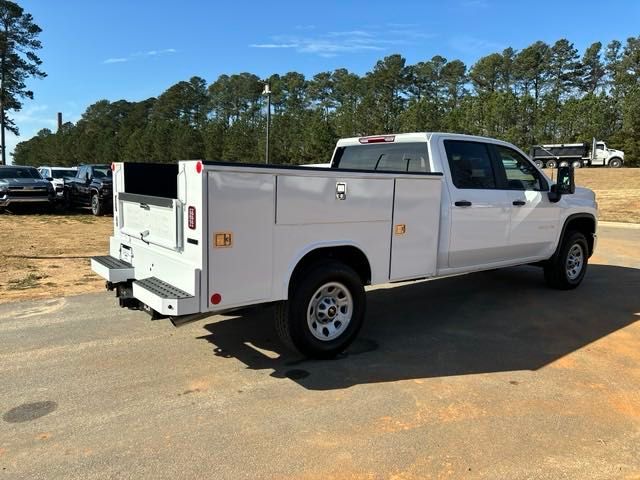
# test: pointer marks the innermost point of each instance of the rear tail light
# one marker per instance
(199, 166)
(191, 217)
(381, 139)
(113, 167)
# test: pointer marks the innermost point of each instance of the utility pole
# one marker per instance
(267, 92)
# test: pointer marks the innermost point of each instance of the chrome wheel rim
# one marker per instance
(94, 204)
(329, 312)
(575, 261)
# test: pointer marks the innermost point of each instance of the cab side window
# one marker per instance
(470, 164)
(520, 173)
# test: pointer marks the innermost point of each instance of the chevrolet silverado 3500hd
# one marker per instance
(197, 238)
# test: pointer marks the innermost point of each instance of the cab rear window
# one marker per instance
(397, 157)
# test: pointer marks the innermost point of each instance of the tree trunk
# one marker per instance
(2, 139)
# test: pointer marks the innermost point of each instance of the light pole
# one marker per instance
(267, 92)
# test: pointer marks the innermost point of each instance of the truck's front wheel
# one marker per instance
(96, 207)
(566, 270)
(325, 311)
(615, 163)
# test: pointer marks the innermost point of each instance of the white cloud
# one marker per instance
(474, 4)
(148, 53)
(273, 45)
(115, 60)
(472, 45)
(333, 43)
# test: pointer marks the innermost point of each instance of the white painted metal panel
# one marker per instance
(312, 200)
(242, 205)
(417, 209)
(154, 224)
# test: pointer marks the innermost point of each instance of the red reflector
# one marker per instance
(383, 139)
(216, 298)
(191, 217)
(113, 167)
(199, 166)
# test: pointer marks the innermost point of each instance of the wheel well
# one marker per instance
(585, 225)
(351, 256)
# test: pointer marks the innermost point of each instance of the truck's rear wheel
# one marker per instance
(325, 311)
(539, 163)
(552, 164)
(576, 164)
(566, 270)
(615, 163)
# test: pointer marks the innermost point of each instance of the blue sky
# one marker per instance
(117, 49)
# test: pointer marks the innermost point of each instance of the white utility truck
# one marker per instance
(577, 155)
(197, 238)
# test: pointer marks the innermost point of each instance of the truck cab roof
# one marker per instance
(411, 138)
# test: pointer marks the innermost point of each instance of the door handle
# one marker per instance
(462, 203)
(519, 203)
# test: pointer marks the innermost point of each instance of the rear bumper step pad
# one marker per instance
(112, 269)
(164, 297)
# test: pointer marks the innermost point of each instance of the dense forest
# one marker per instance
(543, 93)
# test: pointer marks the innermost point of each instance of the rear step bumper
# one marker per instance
(164, 298)
(112, 269)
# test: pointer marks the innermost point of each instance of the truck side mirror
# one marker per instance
(565, 185)
(566, 182)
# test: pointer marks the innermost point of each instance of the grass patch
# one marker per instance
(29, 281)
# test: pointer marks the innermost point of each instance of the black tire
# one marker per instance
(539, 163)
(96, 206)
(66, 201)
(551, 164)
(576, 164)
(615, 162)
(291, 317)
(557, 271)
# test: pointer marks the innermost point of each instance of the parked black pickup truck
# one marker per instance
(91, 187)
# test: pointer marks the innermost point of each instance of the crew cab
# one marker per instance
(91, 187)
(21, 185)
(210, 237)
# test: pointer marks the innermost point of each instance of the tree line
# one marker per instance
(541, 94)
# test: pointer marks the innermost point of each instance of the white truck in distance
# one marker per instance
(577, 155)
(198, 238)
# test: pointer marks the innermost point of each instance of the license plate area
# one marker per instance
(125, 253)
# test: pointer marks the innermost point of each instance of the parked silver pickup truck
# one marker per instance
(24, 185)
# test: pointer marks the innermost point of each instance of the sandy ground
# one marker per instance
(47, 256)
(617, 191)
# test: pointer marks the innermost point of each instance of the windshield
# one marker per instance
(9, 172)
(102, 171)
(62, 173)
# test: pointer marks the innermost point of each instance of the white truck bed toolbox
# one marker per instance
(112, 269)
(164, 297)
